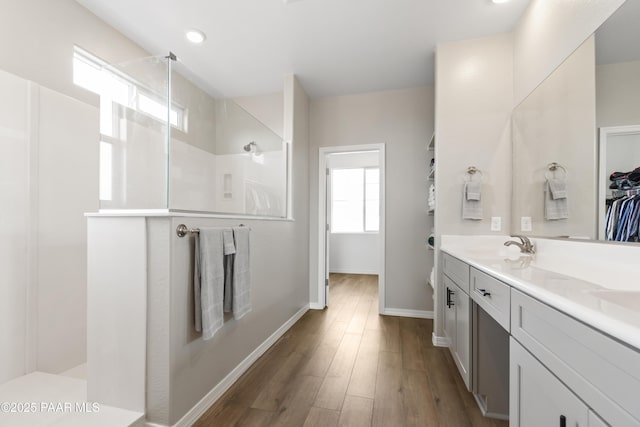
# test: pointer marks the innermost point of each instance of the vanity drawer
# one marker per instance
(492, 296)
(602, 371)
(457, 271)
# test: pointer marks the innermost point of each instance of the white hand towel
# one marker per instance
(208, 282)
(471, 203)
(556, 204)
(241, 273)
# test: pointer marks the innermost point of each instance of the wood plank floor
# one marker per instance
(348, 366)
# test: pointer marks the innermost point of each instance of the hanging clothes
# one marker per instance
(622, 219)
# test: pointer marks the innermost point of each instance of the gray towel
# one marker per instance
(471, 203)
(558, 188)
(208, 282)
(241, 303)
(556, 205)
(229, 255)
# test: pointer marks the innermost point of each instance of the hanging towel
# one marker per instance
(229, 255)
(556, 205)
(208, 281)
(431, 200)
(471, 204)
(241, 303)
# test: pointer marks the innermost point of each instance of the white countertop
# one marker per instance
(612, 305)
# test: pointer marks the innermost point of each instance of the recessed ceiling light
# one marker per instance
(195, 36)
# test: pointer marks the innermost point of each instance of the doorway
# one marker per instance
(351, 214)
(619, 151)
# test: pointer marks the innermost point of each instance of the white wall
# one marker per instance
(15, 223)
(548, 32)
(37, 38)
(474, 98)
(403, 120)
(355, 253)
(55, 183)
(617, 94)
(67, 188)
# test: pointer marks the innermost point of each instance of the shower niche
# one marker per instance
(168, 145)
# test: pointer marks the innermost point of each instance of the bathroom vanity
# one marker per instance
(562, 338)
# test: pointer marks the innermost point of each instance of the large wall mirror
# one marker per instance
(574, 131)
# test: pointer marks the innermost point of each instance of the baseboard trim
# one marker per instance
(419, 314)
(205, 403)
(439, 341)
(353, 271)
(316, 306)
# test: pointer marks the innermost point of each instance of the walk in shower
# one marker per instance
(167, 144)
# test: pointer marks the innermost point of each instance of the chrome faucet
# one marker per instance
(526, 247)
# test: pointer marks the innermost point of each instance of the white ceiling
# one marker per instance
(334, 46)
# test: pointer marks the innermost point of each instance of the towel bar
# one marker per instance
(182, 230)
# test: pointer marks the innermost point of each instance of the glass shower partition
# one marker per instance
(168, 144)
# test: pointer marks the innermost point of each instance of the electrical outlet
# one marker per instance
(525, 223)
(496, 223)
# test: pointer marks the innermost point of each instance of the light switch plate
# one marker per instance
(525, 223)
(496, 223)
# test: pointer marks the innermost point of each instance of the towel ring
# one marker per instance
(471, 171)
(552, 168)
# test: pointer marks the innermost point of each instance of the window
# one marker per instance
(95, 75)
(355, 200)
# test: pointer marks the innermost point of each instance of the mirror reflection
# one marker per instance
(562, 184)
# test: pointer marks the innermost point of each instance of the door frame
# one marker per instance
(604, 134)
(322, 218)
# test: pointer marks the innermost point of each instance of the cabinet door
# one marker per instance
(462, 350)
(450, 312)
(537, 398)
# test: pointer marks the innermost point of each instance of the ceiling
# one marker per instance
(334, 47)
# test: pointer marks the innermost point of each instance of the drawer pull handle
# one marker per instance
(449, 300)
(563, 421)
(484, 292)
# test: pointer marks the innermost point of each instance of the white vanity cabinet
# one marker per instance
(457, 318)
(602, 372)
(552, 369)
(538, 398)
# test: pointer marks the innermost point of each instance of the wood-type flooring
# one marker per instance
(349, 366)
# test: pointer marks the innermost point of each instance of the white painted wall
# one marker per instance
(617, 94)
(15, 223)
(67, 188)
(548, 32)
(403, 121)
(55, 183)
(37, 38)
(355, 253)
(556, 123)
(474, 98)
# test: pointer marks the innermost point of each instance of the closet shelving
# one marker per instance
(431, 178)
